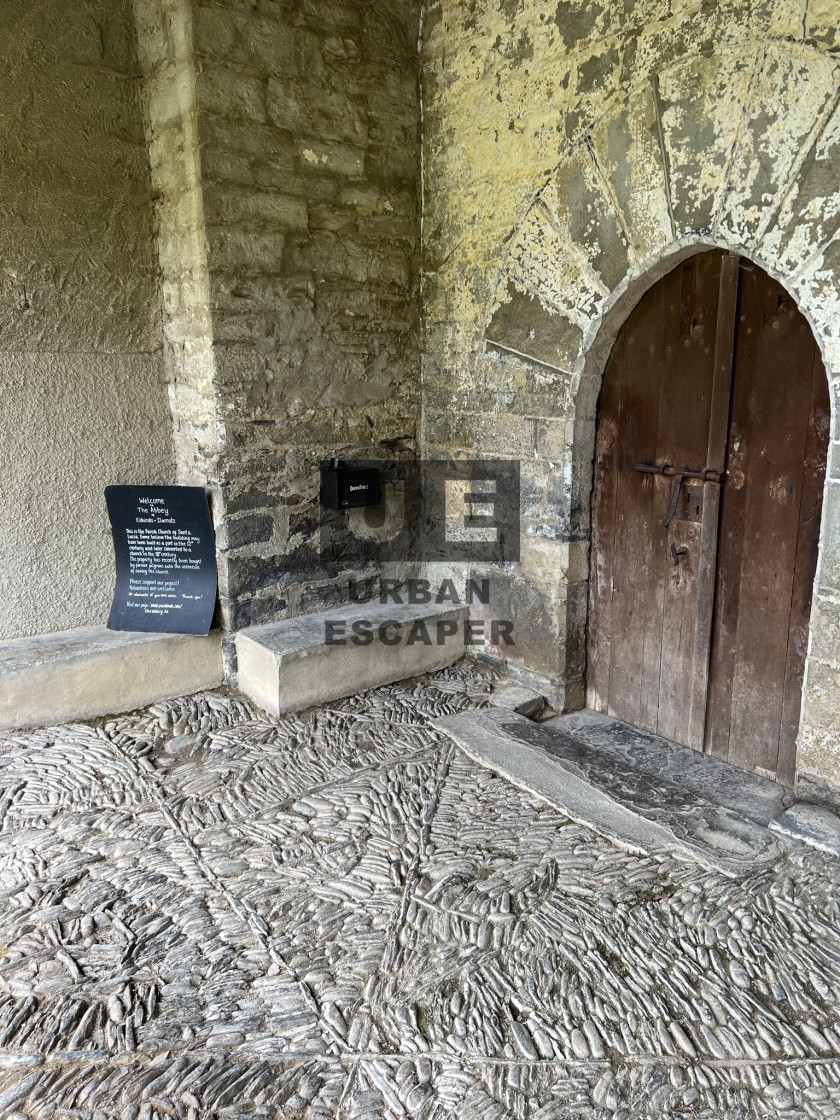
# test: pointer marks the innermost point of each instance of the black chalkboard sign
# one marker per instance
(165, 557)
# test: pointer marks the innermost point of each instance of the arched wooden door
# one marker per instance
(710, 460)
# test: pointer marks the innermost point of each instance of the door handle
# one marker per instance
(678, 474)
(672, 506)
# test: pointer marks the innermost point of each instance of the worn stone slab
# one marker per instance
(746, 794)
(297, 662)
(77, 674)
(812, 824)
(641, 811)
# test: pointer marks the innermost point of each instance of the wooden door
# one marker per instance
(701, 380)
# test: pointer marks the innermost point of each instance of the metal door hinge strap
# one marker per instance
(705, 475)
(678, 474)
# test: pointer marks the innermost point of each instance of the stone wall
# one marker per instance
(308, 130)
(82, 395)
(573, 152)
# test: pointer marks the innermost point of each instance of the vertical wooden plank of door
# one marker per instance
(776, 432)
(633, 577)
(663, 363)
(732, 521)
(807, 543)
(602, 555)
(683, 441)
(709, 527)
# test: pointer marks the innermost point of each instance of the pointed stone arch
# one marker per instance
(730, 149)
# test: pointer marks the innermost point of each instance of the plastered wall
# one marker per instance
(572, 153)
(82, 396)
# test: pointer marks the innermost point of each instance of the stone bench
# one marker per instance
(299, 662)
(78, 674)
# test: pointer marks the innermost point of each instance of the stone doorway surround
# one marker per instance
(699, 611)
(631, 199)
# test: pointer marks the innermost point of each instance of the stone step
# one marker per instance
(93, 671)
(639, 808)
(313, 659)
(814, 825)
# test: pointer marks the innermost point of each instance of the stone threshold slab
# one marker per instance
(79, 674)
(312, 659)
(641, 811)
(708, 777)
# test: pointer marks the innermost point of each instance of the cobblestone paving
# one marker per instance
(208, 912)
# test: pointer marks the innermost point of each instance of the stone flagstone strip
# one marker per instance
(812, 824)
(639, 809)
(711, 779)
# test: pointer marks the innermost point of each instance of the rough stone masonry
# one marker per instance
(572, 153)
(285, 147)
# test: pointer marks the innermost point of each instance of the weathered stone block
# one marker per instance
(230, 93)
(701, 105)
(829, 568)
(345, 19)
(518, 698)
(330, 158)
(769, 148)
(265, 209)
(78, 674)
(538, 612)
(247, 39)
(253, 612)
(523, 324)
(393, 163)
(328, 255)
(249, 250)
(252, 529)
(329, 116)
(378, 198)
(813, 825)
(313, 659)
(627, 149)
(246, 576)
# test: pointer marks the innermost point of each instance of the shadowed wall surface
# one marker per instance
(83, 402)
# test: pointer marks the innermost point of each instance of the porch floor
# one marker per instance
(208, 911)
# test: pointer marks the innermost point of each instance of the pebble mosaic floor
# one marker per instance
(211, 913)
